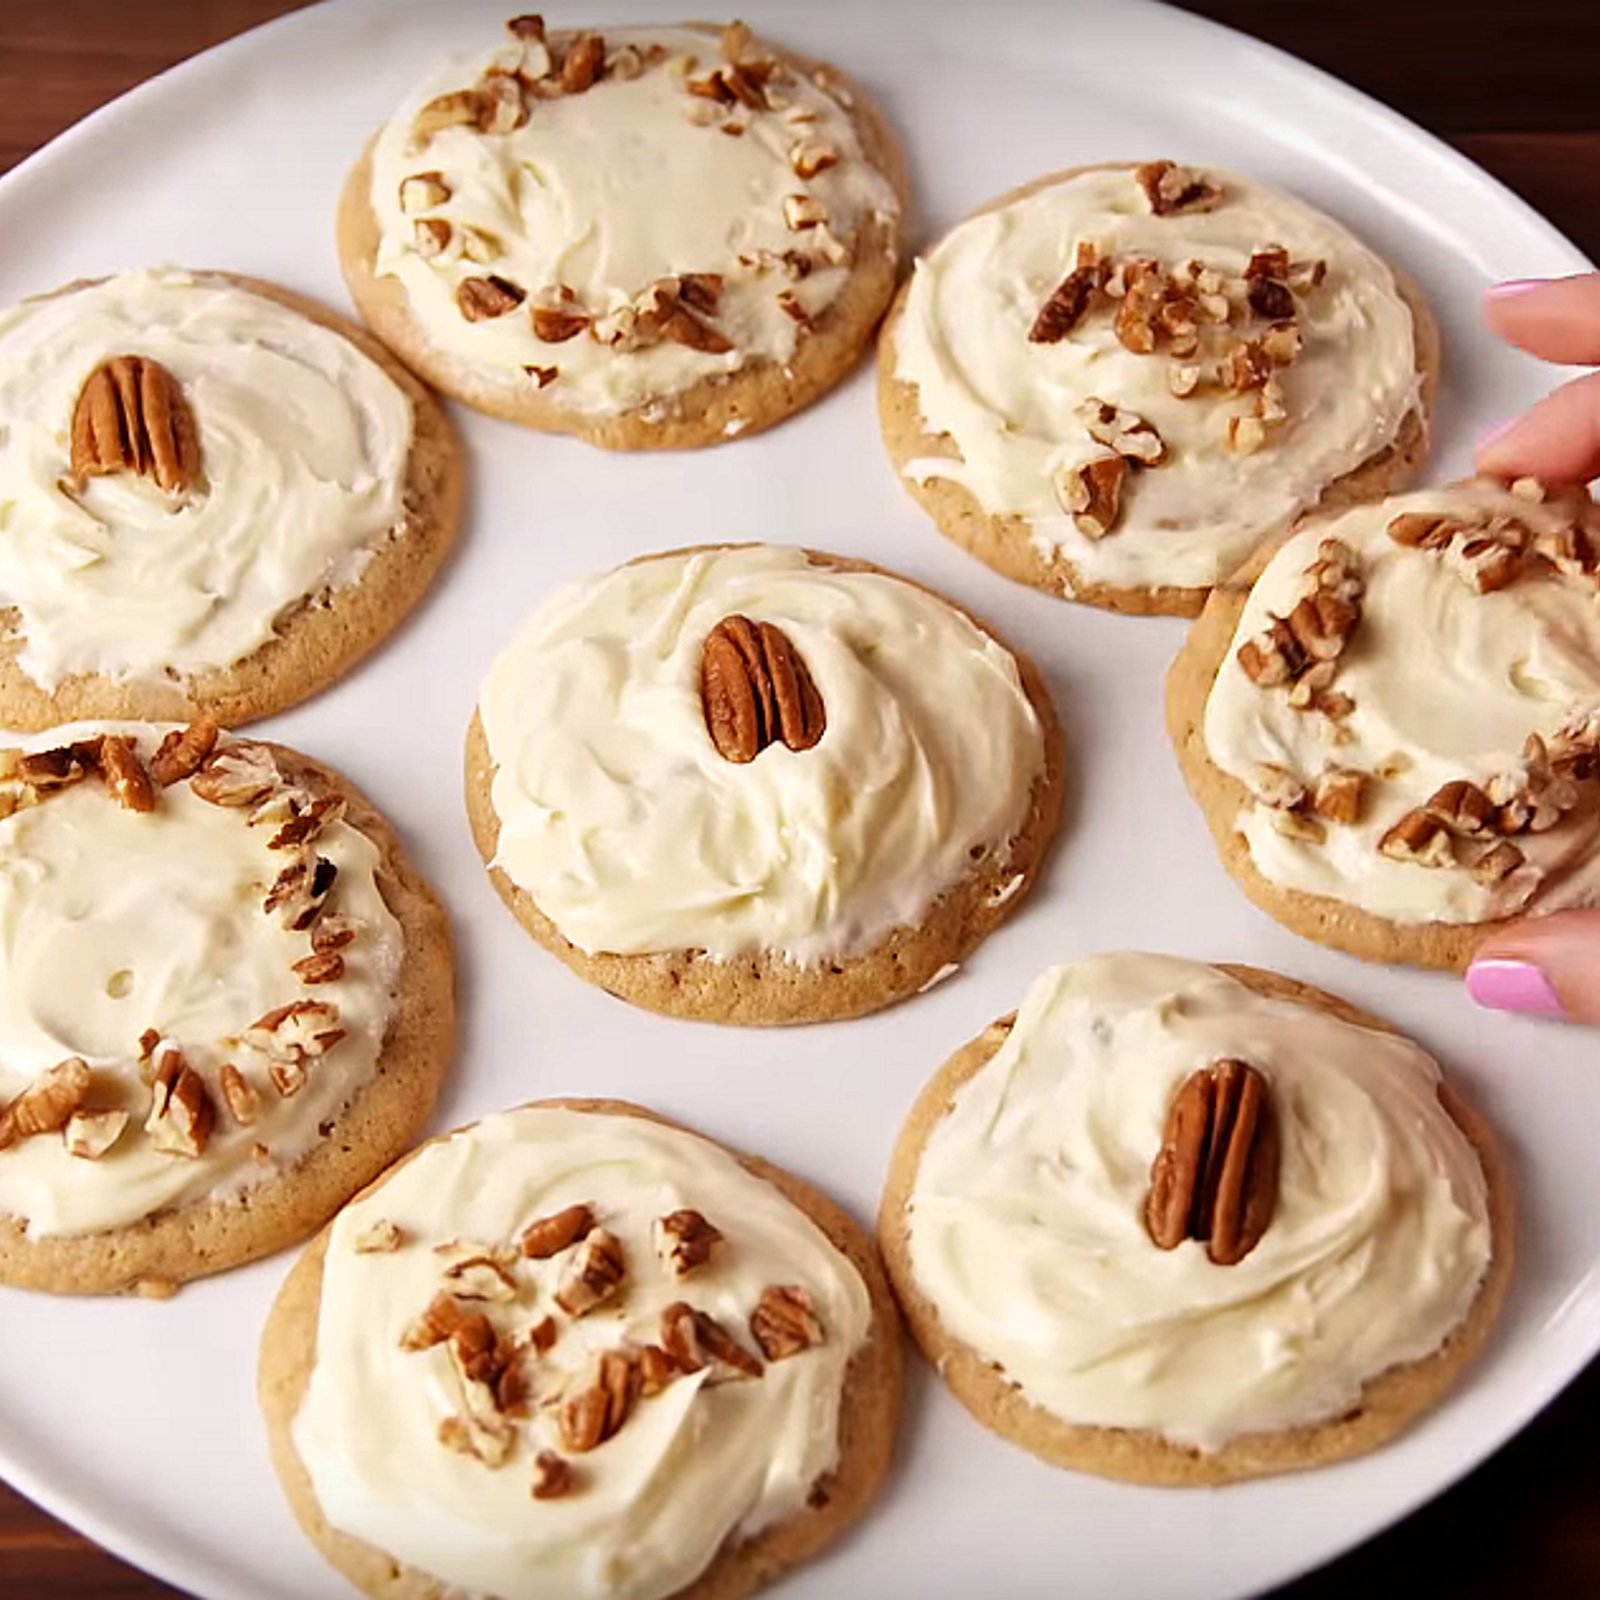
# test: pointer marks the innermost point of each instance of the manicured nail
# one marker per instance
(1515, 286)
(1496, 434)
(1504, 985)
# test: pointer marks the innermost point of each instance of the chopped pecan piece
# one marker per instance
(131, 416)
(1245, 435)
(382, 1238)
(1277, 787)
(583, 63)
(240, 774)
(1215, 1178)
(1419, 838)
(542, 1335)
(1298, 826)
(1170, 188)
(552, 1476)
(90, 1135)
(1322, 624)
(543, 376)
(47, 1104)
(1492, 566)
(1246, 366)
(300, 890)
(686, 1240)
(593, 1275)
(306, 819)
(1092, 494)
(331, 932)
(488, 1439)
(695, 1339)
(785, 1322)
(480, 299)
(238, 1095)
(656, 1370)
(1497, 863)
(431, 236)
(802, 211)
(480, 1278)
(123, 774)
(1424, 530)
(422, 191)
(461, 108)
(1464, 809)
(1274, 656)
(592, 1415)
(182, 753)
(1340, 794)
(46, 770)
(549, 1236)
(500, 104)
(181, 1113)
(1282, 343)
(556, 324)
(321, 966)
(444, 1317)
(1065, 307)
(811, 156)
(300, 1029)
(791, 305)
(755, 691)
(1126, 432)
(1270, 298)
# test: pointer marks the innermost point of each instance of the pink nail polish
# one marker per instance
(1515, 286)
(1503, 985)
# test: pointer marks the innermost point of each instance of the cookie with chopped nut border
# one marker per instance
(1010, 541)
(1388, 1403)
(150, 416)
(668, 338)
(257, 1020)
(862, 698)
(551, 1482)
(1389, 754)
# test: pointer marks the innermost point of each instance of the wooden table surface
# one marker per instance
(1515, 87)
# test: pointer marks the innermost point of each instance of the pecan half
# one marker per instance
(549, 1236)
(1092, 494)
(131, 416)
(686, 1240)
(784, 1322)
(593, 1275)
(755, 691)
(1170, 188)
(480, 299)
(47, 1104)
(592, 1415)
(695, 1339)
(1215, 1178)
(182, 753)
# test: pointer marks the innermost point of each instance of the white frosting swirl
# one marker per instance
(607, 191)
(114, 921)
(1026, 1215)
(631, 832)
(303, 441)
(691, 1468)
(1449, 681)
(1011, 407)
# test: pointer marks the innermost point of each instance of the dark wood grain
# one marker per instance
(1517, 87)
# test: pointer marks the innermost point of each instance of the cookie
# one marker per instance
(576, 1348)
(221, 497)
(252, 1022)
(729, 269)
(1392, 722)
(755, 784)
(1116, 382)
(1089, 1292)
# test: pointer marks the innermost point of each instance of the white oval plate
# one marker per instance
(137, 1421)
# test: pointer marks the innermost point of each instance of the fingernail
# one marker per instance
(1496, 434)
(1503, 985)
(1515, 286)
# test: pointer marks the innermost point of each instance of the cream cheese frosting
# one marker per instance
(692, 1467)
(304, 443)
(114, 921)
(1011, 406)
(1447, 685)
(1026, 1219)
(631, 832)
(603, 193)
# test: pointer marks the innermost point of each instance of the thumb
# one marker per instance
(1544, 966)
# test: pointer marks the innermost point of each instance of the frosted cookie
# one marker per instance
(1115, 382)
(216, 498)
(576, 1349)
(225, 1004)
(1181, 1224)
(652, 237)
(754, 784)
(1395, 733)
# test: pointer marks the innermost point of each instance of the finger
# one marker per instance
(1558, 441)
(1544, 966)
(1557, 319)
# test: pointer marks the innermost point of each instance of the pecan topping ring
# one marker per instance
(1215, 1178)
(756, 691)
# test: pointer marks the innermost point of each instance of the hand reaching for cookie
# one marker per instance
(1547, 966)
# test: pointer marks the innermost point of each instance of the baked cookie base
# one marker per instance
(1006, 542)
(766, 989)
(868, 1413)
(713, 410)
(1443, 946)
(316, 640)
(154, 1256)
(1388, 1403)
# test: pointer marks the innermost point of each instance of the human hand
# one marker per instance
(1547, 966)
